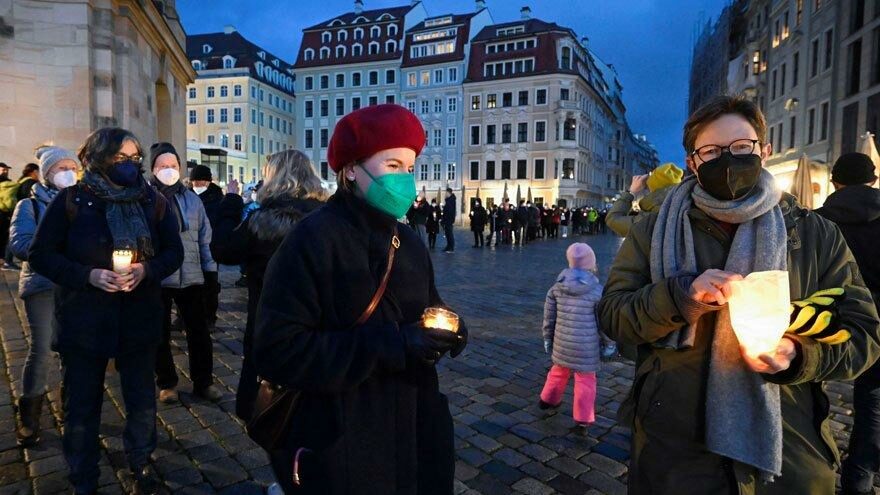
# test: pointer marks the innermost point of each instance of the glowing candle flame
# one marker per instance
(759, 311)
(440, 318)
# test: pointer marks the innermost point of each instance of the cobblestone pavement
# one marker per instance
(505, 444)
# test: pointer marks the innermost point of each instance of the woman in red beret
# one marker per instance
(370, 418)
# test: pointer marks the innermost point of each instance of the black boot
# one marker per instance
(29, 410)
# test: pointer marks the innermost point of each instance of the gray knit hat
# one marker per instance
(48, 156)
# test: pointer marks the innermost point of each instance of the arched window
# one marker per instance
(359, 33)
(390, 46)
(360, 19)
(374, 48)
(357, 50)
(326, 37)
(325, 53)
(392, 30)
(309, 54)
(337, 22)
(206, 49)
(340, 51)
(375, 32)
(385, 17)
(197, 64)
(228, 62)
(342, 35)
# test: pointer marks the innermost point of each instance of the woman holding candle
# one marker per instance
(290, 191)
(371, 418)
(101, 314)
(57, 170)
(185, 287)
(707, 415)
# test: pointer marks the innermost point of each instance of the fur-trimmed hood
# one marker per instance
(273, 220)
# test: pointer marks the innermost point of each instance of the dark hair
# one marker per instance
(29, 169)
(717, 107)
(101, 146)
(449, 189)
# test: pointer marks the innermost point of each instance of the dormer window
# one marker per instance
(342, 35)
(374, 48)
(360, 19)
(276, 63)
(357, 50)
(340, 51)
(197, 64)
(262, 55)
(309, 54)
(206, 49)
(392, 30)
(336, 22)
(228, 62)
(359, 33)
(325, 53)
(390, 46)
(385, 17)
(375, 32)
(326, 37)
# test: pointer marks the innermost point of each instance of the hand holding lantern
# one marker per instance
(759, 313)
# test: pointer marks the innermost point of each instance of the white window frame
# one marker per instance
(370, 50)
(325, 53)
(326, 37)
(452, 75)
(375, 32)
(479, 135)
(392, 30)
(452, 104)
(412, 79)
(341, 49)
(193, 117)
(471, 167)
(342, 35)
(535, 132)
(357, 50)
(546, 96)
(451, 136)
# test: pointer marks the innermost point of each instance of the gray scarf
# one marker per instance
(125, 216)
(743, 412)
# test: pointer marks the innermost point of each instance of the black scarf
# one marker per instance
(125, 216)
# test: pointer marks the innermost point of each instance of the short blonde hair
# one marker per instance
(290, 174)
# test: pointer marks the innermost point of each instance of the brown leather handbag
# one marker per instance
(275, 405)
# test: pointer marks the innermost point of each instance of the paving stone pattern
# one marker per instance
(505, 444)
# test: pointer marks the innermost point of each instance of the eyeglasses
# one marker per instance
(121, 157)
(740, 147)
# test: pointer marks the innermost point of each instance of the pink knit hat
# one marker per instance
(581, 256)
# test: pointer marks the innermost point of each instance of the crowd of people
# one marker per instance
(339, 358)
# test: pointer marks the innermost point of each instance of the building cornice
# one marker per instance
(150, 23)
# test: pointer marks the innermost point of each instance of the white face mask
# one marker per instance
(168, 176)
(65, 178)
(200, 189)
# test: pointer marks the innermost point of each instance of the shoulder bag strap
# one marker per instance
(377, 297)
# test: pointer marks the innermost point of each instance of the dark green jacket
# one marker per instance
(620, 221)
(666, 407)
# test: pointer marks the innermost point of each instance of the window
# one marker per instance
(412, 80)
(271, 125)
(438, 105)
(811, 125)
(210, 91)
(325, 82)
(411, 106)
(325, 108)
(814, 58)
(192, 93)
(491, 101)
(197, 65)
(210, 118)
(505, 169)
(309, 84)
(438, 76)
(224, 140)
(507, 99)
(568, 168)
(522, 132)
(356, 79)
(875, 64)
(374, 77)
(792, 132)
(475, 135)
(340, 107)
(262, 145)
(475, 170)
(475, 102)
(340, 80)
(452, 104)
(324, 138)
(358, 33)
(324, 53)
(450, 171)
(540, 131)
(540, 97)
(490, 170)
(523, 98)
(224, 115)
(857, 15)
(355, 103)
(569, 130)
(522, 169)
(799, 4)
(326, 37)
(389, 99)
(508, 68)
(375, 32)
(211, 139)
(253, 144)
(309, 54)
(392, 30)
(261, 95)
(539, 168)
(823, 122)
(795, 68)
(829, 45)
(357, 50)
(854, 67)
(425, 106)
(310, 109)
(566, 58)
(783, 73)
(490, 134)
(224, 91)
(564, 94)
(390, 76)
(453, 74)
(438, 137)
(423, 171)
(341, 35)
(450, 136)
(237, 142)
(436, 171)
(236, 114)
(192, 117)
(373, 48)
(505, 133)
(773, 80)
(253, 116)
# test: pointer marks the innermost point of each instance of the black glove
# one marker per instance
(462, 340)
(427, 345)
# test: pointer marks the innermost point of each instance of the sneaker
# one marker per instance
(168, 396)
(209, 393)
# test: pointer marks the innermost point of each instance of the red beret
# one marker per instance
(365, 132)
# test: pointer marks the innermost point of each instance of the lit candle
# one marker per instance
(122, 260)
(440, 318)
(759, 311)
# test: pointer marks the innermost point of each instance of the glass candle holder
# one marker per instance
(440, 318)
(122, 260)
(759, 311)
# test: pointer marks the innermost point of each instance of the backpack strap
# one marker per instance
(36, 206)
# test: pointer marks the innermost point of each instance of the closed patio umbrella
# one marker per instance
(802, 185)
(870, 148)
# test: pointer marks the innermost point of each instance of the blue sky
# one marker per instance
(648, 41)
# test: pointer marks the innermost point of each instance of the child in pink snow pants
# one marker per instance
(571, 333)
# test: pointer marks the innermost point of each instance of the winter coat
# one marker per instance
(534, 217)
(421, 214)
(618, 217)
(432, 225)
(195, 234)
(505, 219)
(666, 404)
(570, 320)
(90, 320)
(449, 210)
(27, 215)
(374, 419)
(26, 188)
(479, 217)
(211, 198)
(522, 217)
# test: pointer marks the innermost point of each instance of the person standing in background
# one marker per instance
(449, 212)
(211, 195)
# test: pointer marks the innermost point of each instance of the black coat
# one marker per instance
(434, 217)
(25, 189)
(211, 198)
(479, 218)
(856, 211)
(376, 421)
(91, 320)
(449, 210)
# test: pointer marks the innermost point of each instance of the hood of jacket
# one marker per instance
(274, 219)
(576, 282)
(852, 204)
